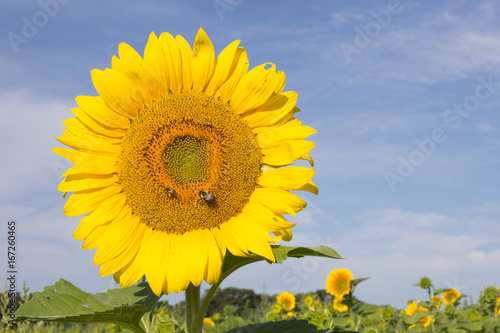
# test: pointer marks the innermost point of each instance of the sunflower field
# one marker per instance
(185, 168)
(333, 309)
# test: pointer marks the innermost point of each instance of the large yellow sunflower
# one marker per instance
(182, 157)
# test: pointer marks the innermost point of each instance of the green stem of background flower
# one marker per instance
(192, 309)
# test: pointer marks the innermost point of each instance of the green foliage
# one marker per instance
(65, 303)
(135, 309)
(291, 326)
(242, 299)
(319, 316)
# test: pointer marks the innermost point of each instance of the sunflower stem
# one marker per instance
(192, 309)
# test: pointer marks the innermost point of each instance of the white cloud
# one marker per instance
(481, 259)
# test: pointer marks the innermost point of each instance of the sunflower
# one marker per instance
(308, 300)
(207, 321)
(451, 296)
(286, 300)
(414, 308)
(277, 308)
(436, 301)
(181, 158)
(338, 282)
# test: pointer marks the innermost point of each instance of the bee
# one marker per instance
(207, 196)
(170, 190)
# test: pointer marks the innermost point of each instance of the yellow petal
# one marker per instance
(255, 88)
(292, 130)
(262, 215)
(131, 273)
(76, 129)
(202, 65)
(257, 238)
(309, 187)
(286, 117)
(101, 234)
(95, 164)
(272, 111)
(237, 71)
(175, 279)
(216, 233)
(285, 234)
(278, 201)
(223, 65)
(75, 156)
(173, 61)
(288, 178)
(234, 238)
(106, 212)
(96, 127)
(156, 65)
(244, 239)
(308, 158)
(132, 65)
(194, 251)
(97, 146)
(157, 247)
(81, 182)
(117, 238)
(126, 257)
(119, 92)
(95, 106)
(186, 57)
(287, 152)
(214, 262)
(86, 201)
(130, 58)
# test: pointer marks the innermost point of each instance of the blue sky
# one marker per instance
(405, 96)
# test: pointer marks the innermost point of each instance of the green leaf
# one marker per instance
(63, 302)
(367, 309)
(491, 324)
(357, 281)
(281, 253)
(472, 326)
(285, 326)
